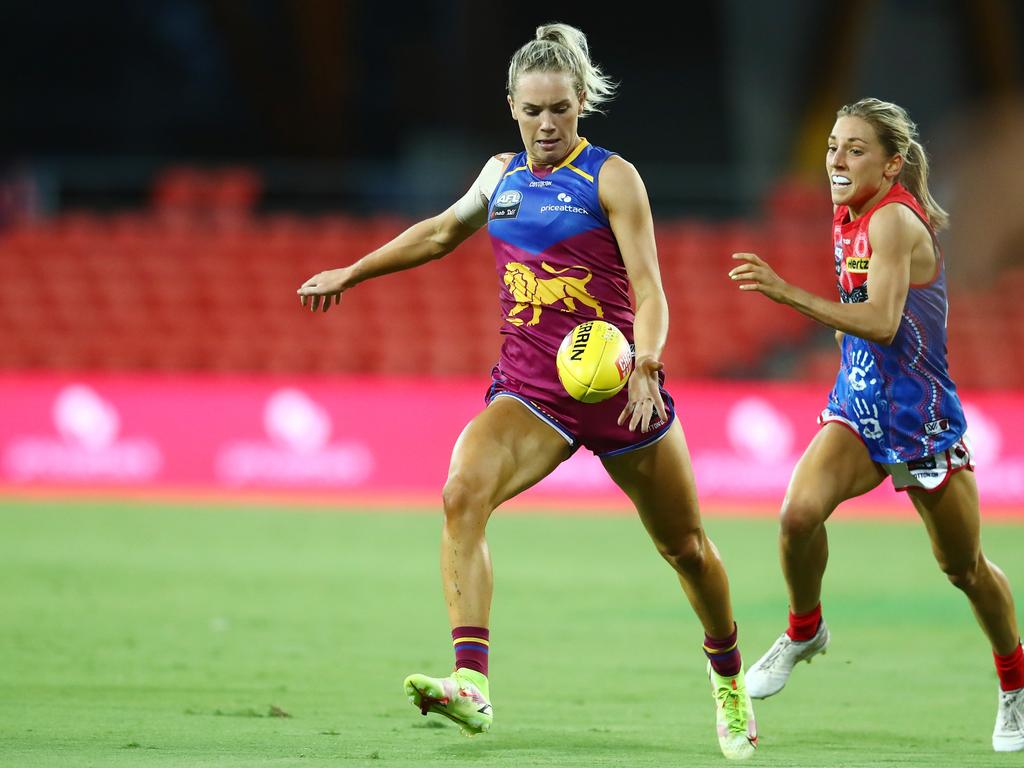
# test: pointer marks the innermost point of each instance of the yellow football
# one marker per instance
(594, 361)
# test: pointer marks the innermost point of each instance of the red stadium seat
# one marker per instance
(177, 289)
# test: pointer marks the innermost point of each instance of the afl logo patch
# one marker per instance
(508, 199)
(507, 205)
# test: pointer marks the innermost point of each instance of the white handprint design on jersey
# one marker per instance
(867, 417)
(861, 364)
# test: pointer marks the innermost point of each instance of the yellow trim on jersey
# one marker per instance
(477, 640)
(567, 162)
(584, 174)
(573, 155)
(515, 170)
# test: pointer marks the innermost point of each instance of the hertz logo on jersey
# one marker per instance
(857, 264)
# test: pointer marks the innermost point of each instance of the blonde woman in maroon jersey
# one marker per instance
(577, 217)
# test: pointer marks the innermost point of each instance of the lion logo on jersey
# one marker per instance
(530, 291)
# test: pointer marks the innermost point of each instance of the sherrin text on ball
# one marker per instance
(594, 361)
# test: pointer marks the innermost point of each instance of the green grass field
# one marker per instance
(144, 635)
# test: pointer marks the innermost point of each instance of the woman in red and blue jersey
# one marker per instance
(894, 410)
(572, 231)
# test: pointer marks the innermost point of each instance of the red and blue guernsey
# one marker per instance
(898, 397)
(559, 265)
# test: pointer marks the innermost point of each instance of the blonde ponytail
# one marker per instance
(914, 177)
(562, 48)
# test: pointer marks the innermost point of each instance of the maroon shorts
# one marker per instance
(592, 425)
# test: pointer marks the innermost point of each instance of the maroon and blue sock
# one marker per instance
(724, 653)
(1010, 669)
(472, 645)
(804, 626)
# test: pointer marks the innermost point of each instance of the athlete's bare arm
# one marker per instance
(624, 199)
(424, 241)
(896, 235)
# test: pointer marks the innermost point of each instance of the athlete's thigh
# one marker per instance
(835, 466)
(659, 480)
(952, 518)
(504, 450)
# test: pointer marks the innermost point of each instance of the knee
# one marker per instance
(800, 519)
(688, 554)
(962, 574)
(465, 502)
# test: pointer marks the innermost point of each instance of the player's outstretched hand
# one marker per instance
(644, 395)
(324, 288)
(755, 274)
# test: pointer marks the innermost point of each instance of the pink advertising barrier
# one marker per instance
(363, 440)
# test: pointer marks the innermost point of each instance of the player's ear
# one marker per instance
(893, 167)
(512, 106)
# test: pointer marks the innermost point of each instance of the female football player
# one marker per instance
(570, 223)
(894, 411)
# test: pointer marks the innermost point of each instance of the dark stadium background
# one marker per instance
(718, 100)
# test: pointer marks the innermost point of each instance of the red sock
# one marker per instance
(1010, 669)
(803, 626)
(472, 646)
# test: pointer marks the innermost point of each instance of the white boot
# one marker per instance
(770, 673)
(1008, 735)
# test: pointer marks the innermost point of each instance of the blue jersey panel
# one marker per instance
(529, 211)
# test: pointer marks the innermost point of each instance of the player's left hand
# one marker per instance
(644, 395)
(757, 275)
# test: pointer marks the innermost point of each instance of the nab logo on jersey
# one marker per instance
(507, 205)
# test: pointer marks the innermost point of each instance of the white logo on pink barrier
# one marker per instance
(758, 430)
(999, 476)
(298, 451)
(89, 448)
(296, 422)
(761, 438)
(983, 435)
(83, 417)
